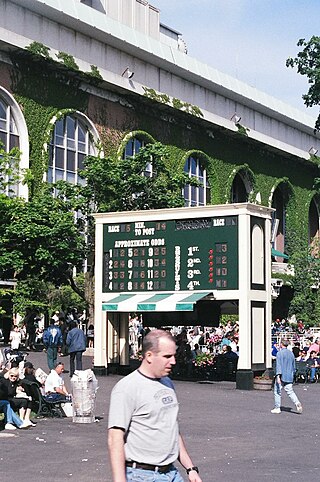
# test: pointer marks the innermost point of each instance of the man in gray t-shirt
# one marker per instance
(144, 437)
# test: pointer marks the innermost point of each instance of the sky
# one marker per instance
(248, 39)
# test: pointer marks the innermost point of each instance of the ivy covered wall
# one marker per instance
(46, 92)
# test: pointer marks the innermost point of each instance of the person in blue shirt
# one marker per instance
(76, 343)
(52, 340)
(285, 370)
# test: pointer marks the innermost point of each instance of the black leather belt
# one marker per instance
(155, 468)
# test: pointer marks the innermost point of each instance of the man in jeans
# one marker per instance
(144, 439)
(285, 370)
(52, 340)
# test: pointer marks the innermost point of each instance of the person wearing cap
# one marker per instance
(285, 370)
(54, 386)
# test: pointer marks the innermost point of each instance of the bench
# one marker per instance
(41, 406)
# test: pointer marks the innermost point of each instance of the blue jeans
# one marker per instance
(139, 475)
(289, 391)
(75, 355)
(313, 372)
(9, 414)
(52, 354)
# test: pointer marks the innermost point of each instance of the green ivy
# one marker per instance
(67, 60)
(46, 92)
(175, 103)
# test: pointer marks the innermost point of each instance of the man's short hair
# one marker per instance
(151, 340)
(57, 364)
(284, 342)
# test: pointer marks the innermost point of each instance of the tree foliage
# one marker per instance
(307, 63)
(40, 239)
(119, 185)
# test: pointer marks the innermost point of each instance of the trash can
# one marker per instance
(84, 386)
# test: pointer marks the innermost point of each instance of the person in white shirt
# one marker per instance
(15, 338)
(54, 387)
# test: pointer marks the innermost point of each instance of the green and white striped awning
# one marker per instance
(133, 302)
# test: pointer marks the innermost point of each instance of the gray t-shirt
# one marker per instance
(147, 409)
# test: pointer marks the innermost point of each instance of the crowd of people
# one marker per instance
(17, 396)
(197, 347)
(306, 350)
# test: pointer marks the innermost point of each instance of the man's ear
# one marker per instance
(148, 356)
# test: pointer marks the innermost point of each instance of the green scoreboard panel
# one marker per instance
(171, 255)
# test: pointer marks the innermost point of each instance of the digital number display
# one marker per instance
(187, 254)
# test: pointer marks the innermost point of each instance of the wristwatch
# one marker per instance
(192, 468)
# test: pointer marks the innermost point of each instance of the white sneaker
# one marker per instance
(25, 425)
(9, 426)
(276, 410)
(299, 407)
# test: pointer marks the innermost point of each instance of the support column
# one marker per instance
(100, 335)
(244, 377)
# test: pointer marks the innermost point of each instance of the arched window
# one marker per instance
(239, 193)
(314, 229)
(196, 195)
(70, 144)
(14, 133)
(132, 148)
(278, 223)
(9, 138)
(8, 130)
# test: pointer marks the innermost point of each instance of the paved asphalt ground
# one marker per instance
(231, 435)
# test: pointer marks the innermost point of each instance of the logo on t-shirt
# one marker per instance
(167, 400)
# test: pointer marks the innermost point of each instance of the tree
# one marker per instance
(39, 244)
(307, 62)
(40, 239)
(119, 185)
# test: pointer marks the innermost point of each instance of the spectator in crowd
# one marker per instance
(52, 340)
(76, 343)
(64, 330)
(314, 346)
(275, 349)
(228, 353)
(296, 349)
(313, 365)
(14, 393)
(90, 336)
(31, 327)
(15, 338)
(55, 389)
(11, 419)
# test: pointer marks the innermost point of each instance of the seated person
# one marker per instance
(228, 353)
(313, 364)
(28, 383)
(12, 392)
(303, 356)
(54, 387)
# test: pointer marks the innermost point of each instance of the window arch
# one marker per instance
(132, 148)
(14, 133)
(196, 195)
(72, 140)
(279, 203)
(314, 228)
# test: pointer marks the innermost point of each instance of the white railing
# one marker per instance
(282, 268)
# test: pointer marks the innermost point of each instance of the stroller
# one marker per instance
(13, 358)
